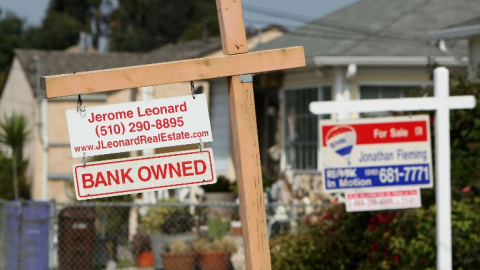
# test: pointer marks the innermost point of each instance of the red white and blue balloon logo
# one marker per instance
(341, 139)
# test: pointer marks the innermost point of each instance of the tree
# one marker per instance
(11, 33)
(11, 28)
(205, 16)
(465, 140)
(14, 133)
(129, 25)
(146, 25)
(59, 31)
(6, 179)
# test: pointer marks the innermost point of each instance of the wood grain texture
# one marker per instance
(249, 174)
(245, 140)
(171, 72)
(232, 27)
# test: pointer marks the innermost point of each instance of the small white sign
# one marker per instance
(139, 125)
(140, 174)
(383, 200)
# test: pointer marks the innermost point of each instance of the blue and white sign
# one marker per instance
(376, 153)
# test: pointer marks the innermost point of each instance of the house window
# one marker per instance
(391, 91)
(300, 131)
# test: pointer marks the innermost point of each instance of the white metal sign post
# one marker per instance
(139, 125)
(441, 103)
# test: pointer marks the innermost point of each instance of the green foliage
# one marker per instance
(146, 25)
(222, 185)
(217, 228)
(404, 239)
(73, 8)
(465, 140)
(167, 219)
(178, 247)
(205, 16)
(156, 216)
(11, 32)
(225, 244)
(58, 32)
(132, 26)
(14, 133)
(6, 179)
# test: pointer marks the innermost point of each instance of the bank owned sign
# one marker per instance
(140, 174)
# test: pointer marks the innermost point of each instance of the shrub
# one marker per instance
(402, 239)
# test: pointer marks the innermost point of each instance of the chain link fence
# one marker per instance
(166, 235)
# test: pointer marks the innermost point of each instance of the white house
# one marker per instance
(368, 50)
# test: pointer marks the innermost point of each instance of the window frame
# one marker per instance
(412, 84)
(320, 93)
(391, 83)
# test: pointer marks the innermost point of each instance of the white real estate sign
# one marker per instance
(441, 103)
(140, 174)
(139, 125)
(402, 198)
(376, 153)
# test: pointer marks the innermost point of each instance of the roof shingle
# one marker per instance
(380, 28)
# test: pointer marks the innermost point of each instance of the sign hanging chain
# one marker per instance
(192, 86)
(79, 105)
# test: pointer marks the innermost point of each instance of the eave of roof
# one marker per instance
(388, 60)
(456, 32)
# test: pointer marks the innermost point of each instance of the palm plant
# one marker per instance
(14, 133)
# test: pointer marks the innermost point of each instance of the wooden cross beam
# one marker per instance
(171, 72)
(235, 62)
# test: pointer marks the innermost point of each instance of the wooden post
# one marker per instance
(245, 141)
(249, 175)
(233, 64)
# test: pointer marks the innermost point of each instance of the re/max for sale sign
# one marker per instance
(140, 174)
(376, 153)
(139, 125)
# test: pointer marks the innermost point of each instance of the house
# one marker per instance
(468, 30)
(48, 151)
(368, 50)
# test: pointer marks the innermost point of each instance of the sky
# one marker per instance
(256, 13)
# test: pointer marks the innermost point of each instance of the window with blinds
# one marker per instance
(300, 127)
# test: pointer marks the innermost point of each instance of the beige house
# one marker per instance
(465, 30)
(368, 50)
(48, 151)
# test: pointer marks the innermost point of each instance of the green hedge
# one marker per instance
(401, 239)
